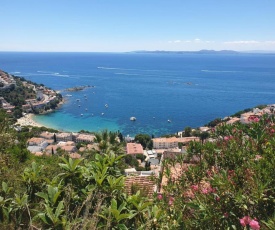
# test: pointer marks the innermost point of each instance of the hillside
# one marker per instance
(17, 95)
(225, 183)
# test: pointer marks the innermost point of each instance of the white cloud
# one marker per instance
(242, 42)
(196, 40)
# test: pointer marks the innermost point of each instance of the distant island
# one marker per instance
(79, 88)
(189, 52)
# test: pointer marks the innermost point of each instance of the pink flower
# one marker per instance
(242, 222)
(195, 187)
(272, 131)
(171, 201)
(256, 119)
(205, 191)
(226, 138)
(254, 225)
(159, 196)
(245, 220)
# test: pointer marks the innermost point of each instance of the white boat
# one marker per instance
(102, 114)
(81, 114)
(86, 109)
(133, 118)
(169, 121)
(106, 105)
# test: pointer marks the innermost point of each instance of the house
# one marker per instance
(64, 137)
(134, 149)
(69, 148)
(87, 138)
(186, 140)
(47, 135)
(51, 149)
(165, 143)
(171, 142)
(35, 141)
(144, 184)
(34, 149)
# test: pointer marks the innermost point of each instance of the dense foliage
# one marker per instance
(18, 94)
(230, 187)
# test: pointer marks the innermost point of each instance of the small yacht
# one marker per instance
(133, 118)
(86, 109)
(102, 114)
(81, 114)
(106, 105)
(169, 121)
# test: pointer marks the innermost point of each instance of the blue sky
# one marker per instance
(127, 25)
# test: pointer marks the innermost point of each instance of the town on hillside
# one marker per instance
(143, 161)
(18, 96)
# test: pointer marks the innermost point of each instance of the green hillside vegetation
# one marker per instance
(19, 93)
(230, 187)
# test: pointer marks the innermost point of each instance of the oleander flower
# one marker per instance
(195, 187)
(254, 225)
(245, 220)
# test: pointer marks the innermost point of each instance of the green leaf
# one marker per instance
(42, 216)
(59, 209)
(4, 186)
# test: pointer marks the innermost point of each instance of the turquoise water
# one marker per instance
(188, 89)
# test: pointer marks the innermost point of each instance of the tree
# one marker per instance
(145, 140)
(187, 131)
(203, 136)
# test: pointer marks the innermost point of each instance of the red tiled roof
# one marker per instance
(134, 148)
(144, 184)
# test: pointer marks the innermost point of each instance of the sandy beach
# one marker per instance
(27, 120)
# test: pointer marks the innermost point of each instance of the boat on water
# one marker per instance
(106, 105)
(81, 114)
(169, 121)
(133, 118)
(68, 95)
(102, 114)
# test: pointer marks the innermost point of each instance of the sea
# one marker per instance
(165, 92)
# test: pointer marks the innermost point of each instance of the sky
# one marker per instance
(130, 25)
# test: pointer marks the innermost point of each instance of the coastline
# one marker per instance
(27, 120)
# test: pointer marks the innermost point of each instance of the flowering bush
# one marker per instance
(232, 182)
(225, 184)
